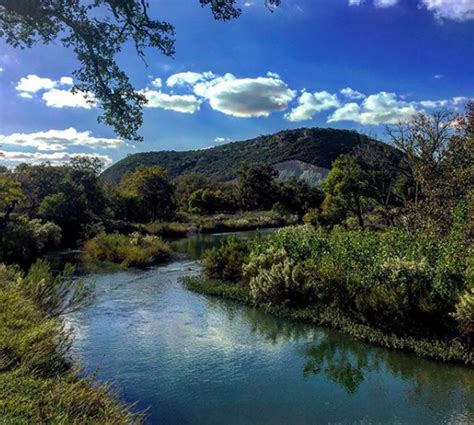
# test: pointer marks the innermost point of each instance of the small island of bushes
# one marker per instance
(135, 250)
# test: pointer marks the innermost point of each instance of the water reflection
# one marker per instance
(347, 362)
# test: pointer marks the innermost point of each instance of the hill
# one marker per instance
(303, 153)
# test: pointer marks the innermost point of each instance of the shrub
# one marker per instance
(226, 261)
(23, 240)
(135, 250)
(403, 282)
(464, 313)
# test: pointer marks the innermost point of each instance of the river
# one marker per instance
(186, 358)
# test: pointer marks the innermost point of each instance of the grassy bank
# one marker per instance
(38, 382)
(215, 223)
(442, 350)
(396, 288)
(133, 250)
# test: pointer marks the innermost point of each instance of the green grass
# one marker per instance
(447, 350)
(38, 383)
(133, 250)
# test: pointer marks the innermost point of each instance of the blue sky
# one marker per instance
(351, 64)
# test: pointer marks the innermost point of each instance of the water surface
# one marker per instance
(193, 359)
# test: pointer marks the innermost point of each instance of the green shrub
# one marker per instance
(464, 313)
(226, 261)
(399, 281)
(23, 240)
(135, 250)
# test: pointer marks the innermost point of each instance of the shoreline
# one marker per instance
(452, 351)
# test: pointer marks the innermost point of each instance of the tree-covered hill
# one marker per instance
(316, 146)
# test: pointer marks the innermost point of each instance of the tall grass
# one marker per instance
(38, 382)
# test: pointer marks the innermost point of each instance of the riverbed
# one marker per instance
(185, 358)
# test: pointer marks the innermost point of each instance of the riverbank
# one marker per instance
(39, 383)
(215, 223)
(445, 351)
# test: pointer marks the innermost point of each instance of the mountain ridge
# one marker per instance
(314, 146)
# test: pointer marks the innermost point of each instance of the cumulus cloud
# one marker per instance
(188, 78)
(352, 94)
(52, 95)
(458, 10)
(59, 98)
(246, 97)
(380, 108)
(59, 140)
(32, 83)
(187, 104)
(310, 104)
(56, 158)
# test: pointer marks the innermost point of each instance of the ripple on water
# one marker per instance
(191, 359)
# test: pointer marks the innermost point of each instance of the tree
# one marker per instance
(153, 193)
(346, 189)
(38, 181)
(96, 31)
(79, 199)
(187, 184)
(254, 186)
(439, 157)
(209, 201)
(10, 196)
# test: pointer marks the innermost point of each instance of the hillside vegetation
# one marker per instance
(316, 146)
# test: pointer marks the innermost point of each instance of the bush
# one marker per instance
(399, 281)
(464, 313)
(134, 250)
(23, 240)
(226, 262)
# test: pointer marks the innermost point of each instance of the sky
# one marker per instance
(349, 64)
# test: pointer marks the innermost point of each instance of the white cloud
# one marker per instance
(352, 94)
(56, 158)
(458, 10)
(222, 140)
(66, 81)
(188, 78)
(434, 103)
(385, 3)
(157, 82)
(59, 140)
(380, 108)
(246, 97)
(438, 76)
(273, 74)
(59, 98)
(187, 104)
(2, 69)
(310, 104)
(26, 95)
(32, 83)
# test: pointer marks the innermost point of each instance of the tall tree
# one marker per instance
(346, 189)
(152, 191)
(255, 186)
